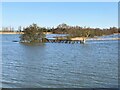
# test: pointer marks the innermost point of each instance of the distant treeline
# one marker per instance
(73, 31)
(77, 31)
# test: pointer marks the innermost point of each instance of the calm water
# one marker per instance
(59, 65)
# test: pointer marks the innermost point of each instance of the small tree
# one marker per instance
(32, 34)
(19, 29)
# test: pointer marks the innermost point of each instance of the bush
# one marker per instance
(32, 34)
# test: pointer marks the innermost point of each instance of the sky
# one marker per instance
(49, 14)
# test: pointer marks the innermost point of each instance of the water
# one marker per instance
(59, 65)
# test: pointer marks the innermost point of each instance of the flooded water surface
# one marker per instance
(59, 65)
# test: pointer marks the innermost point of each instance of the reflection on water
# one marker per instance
(94, 64)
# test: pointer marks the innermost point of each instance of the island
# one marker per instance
(73, 34)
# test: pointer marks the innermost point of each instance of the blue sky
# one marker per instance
(49, 14)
